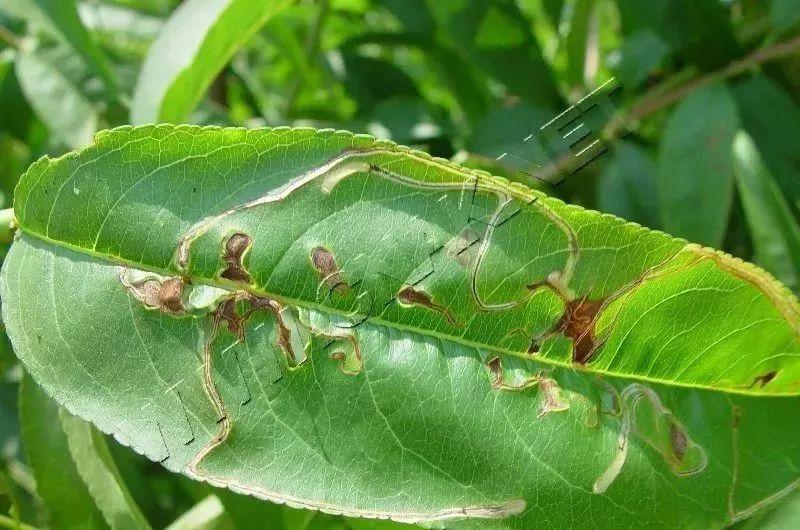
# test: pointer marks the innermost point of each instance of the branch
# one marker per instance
(651, 102)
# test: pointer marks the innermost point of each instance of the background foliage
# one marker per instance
(710, 92)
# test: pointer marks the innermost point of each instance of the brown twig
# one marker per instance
(651, 103)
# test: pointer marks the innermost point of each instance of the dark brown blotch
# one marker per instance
(578, 323)
(765, 379)
(325, 264)
(233, 255)
(169, 296)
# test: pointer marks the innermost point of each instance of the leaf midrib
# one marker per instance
(117, 260)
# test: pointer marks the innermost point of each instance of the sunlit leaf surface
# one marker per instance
(334, 322)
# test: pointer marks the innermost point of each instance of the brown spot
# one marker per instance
(235, 249)
(236, 310)
(763, 380)
(678, 440)
(577, 323)
(496, 369)
(164, 295)
(329, 271)
(412, 296)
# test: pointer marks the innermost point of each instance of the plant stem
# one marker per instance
(7, 225)
(8, 522)
(658, 99)
(7, 36)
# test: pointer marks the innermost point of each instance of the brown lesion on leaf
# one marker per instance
(578, 322)
(348, 355)
(236, 310)
(410, 296)
(233, 254)
(551, 396)
(325, 264)
(162, 294)
(678, 440)
(764, 379)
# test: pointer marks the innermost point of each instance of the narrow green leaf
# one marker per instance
(772, 118)
(63, 492)
(208, 514)
(96, 466)
(695, 166)
(576, 40)
(194, 45)
(60, 19)
(776, 235)
(334, 322)
(56, 98)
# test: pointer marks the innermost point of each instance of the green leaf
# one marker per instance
(96, 466)
(640, 54)
(334, 322)
(784, 14)
(60, 19)
(776, 235)
(195, 43)
(695, 166)
(56, 97)
(63, 492)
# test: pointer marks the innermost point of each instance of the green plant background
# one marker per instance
(467, 80)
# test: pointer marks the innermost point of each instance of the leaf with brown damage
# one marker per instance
(364, 329)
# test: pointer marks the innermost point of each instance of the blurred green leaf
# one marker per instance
(59, 18)
(638, 56)
(196, 42)
(63, 491)
(96, 466)
(208, 514)
(56, 97)
(784, 14)
(577, 39)
(698, 30)
(772, 119)
(776, 235)
(496, 37)
(695, 166)
(628, 185)
(244, 509)
(15, 118)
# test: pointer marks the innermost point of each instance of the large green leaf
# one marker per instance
(194, 45)
(335, 322)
